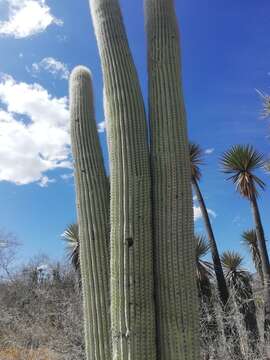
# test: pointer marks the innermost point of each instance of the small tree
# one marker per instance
(241, 162)
(8, 249)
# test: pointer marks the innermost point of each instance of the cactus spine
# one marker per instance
(132, 302)
(176, 293)
(92, 194)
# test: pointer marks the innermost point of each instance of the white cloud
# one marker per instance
(53, 66)
(239, 220)
(67, 177)
(101, 127)
(45, 181)
(27, 18)
(198, 214)
(34, 136)
(209, 151)
(62, 38)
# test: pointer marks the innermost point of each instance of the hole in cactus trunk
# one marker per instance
(129, 241)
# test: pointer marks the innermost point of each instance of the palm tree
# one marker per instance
(71, 236)
(196, 154)
(240, 162)
(203, 268)
(249, 239)
(239, 281)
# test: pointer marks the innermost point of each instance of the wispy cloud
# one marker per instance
(27, 18)
(67, 177)
(209, 151)
(45, 181)
(34, 134)
(239, 221)
(53, 66)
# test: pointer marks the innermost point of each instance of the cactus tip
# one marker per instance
(80, 71)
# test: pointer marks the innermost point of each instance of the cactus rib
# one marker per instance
(132, 304)
(174, 246)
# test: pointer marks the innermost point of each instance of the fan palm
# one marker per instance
(249, 239)
(196, 155)
(71, 236)
(240, 162)
(239, 281)
(236, 276)
(203, 267)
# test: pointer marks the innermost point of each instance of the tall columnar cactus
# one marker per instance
(132, 301)
(176, 293)
(92, 194)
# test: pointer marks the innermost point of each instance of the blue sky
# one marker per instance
(225, 54)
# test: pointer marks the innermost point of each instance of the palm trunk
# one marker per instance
(209, 325)
(248, 311)
(244, 301)
(221, 282)
(265, 260)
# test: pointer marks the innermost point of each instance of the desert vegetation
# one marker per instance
(41, 306)
(139, 283)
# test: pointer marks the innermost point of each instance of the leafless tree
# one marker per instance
(8, 250)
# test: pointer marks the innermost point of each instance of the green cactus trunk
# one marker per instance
(132, 302)
(174, 246)
(92, 193)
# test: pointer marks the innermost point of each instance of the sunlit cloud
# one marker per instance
(34, 133)
(27, 18)
(53, 66)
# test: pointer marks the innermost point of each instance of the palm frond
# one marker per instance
(236, 276)
(240, 162)
(231, 260)
(249, 239)
(71, 236)
(196, 154)
(265, 104)
(267, 166)
(204, 268)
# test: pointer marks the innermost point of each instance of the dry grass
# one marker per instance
(22, 354)
(42, 320)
